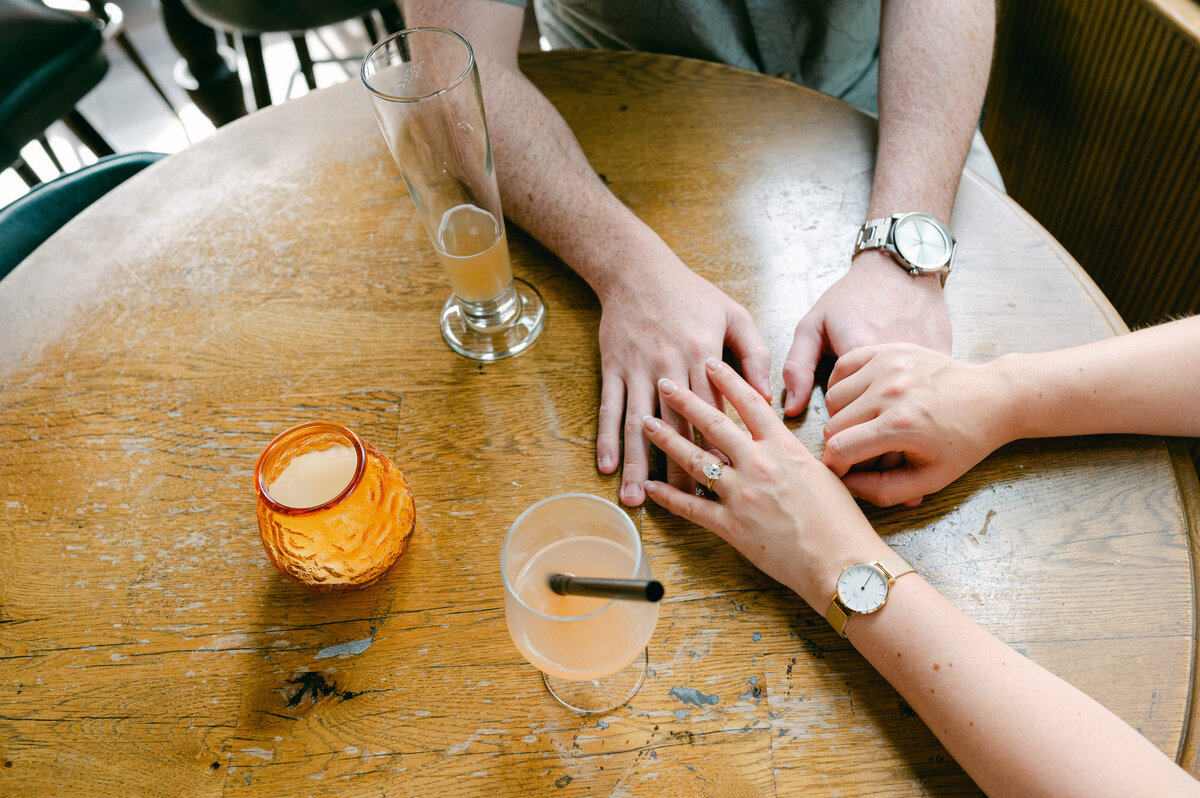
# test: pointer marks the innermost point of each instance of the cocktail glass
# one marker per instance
(591, 652)
(424, 89)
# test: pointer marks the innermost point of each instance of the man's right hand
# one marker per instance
(665, 324)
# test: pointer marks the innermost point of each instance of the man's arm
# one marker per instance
(649, 325)
(934, 57)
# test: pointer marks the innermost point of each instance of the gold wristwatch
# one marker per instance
(863, 588)
(918, 242)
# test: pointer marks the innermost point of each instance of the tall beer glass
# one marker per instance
(424, 89)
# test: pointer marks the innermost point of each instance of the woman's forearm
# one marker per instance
(1146, 382)
(1015, 728)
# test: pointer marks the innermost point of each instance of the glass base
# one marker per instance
(600, 695)
(484, 338)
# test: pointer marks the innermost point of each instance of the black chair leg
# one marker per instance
(392, 18)
(26, 173)
(368, 22)
(42, 140)
(87, 134)
(306, 62)
(252, 46)
(215, 86)
(136, 58)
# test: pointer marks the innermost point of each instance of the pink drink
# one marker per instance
(596, 637)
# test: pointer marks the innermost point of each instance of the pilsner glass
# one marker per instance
(591, 652)
(424, 89)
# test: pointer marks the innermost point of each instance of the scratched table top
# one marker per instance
(277, 273)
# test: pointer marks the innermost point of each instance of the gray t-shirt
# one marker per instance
(828, 45)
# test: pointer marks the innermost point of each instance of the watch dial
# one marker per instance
(921, 242)
(862, 587)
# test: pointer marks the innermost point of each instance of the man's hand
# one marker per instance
(875, 302)
(665, 325)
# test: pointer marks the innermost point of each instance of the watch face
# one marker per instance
(922, 241)
(862, 587)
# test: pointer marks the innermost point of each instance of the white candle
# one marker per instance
(314, 477)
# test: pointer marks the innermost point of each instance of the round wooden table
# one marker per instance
(277, 273)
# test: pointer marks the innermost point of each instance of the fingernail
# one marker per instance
(666, 386)
(651, 486)
(605, 462)
(651, 423)
(713, 364)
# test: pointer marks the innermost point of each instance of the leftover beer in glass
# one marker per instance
(424, 90)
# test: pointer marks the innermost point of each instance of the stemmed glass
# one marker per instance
(424, 89)
(591, 651)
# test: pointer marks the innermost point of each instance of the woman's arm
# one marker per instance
(945, 416)
(1015, 728)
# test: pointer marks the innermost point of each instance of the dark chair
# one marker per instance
(250, 20)
(112, 21)
(30, 220)
(49, 60)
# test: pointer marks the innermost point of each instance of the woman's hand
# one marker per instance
(942, 415)
(782, 509)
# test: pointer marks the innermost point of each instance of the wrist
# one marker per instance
(1013, 407)
(631, 267)
(856, 542)
(881, 265)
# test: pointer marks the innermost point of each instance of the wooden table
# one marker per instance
(277, 273)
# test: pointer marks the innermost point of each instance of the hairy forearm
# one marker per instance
(933, 68)
(547, 186)
(1013, 726)
(551, 191)
(1146, 382)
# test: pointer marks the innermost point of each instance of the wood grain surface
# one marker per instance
(277, 273)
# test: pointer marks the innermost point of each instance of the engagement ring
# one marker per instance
(713, 472)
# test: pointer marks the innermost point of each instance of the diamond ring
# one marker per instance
(713, 472)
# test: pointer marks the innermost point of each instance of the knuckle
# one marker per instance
(695, 349)
(903, 419)
(713, 424)
(836, 446)
(697, 461)
(749, 397)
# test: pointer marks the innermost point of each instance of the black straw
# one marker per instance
(628, 589)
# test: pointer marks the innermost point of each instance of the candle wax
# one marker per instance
(314, 477)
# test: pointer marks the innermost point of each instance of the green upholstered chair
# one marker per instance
(30, 220)
(49, 60)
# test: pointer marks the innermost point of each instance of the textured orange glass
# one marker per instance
(351, 540)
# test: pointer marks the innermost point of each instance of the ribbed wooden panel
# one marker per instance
(1093, 116)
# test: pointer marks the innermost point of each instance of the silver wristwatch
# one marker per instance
(918, 242)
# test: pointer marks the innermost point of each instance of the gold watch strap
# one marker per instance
(895, 567)
(838, 614)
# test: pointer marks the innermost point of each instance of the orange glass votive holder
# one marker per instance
(348, 541)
